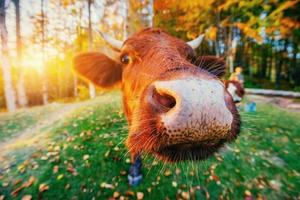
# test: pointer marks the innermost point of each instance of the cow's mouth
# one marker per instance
(187, 151)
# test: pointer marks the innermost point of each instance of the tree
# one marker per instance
(21, 94)
(6, 67)
(44, 83)
(92, 88)
(139, 15)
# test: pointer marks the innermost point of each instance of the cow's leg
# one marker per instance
(135, 171)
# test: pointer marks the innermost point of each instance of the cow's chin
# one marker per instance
(155, 145)
(187, 152)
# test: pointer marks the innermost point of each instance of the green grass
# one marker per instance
(11, 124)
(88, 151)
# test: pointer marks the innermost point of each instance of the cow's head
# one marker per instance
(176, 105)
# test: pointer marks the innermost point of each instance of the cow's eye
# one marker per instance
(125, 59)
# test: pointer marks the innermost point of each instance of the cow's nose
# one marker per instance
(192, 106)
(163, 99)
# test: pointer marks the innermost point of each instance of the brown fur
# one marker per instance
(98, 68)
(155, 55)
(240, 90)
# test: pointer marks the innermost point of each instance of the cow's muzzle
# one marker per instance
(192, 112)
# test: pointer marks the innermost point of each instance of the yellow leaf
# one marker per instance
(167, 172)
(59, 177)
(27, 197)
(116, 194)
(247, 193)
(212, 33)
(43, 187)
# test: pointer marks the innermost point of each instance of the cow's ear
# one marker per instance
(213, 64)
(98, 68)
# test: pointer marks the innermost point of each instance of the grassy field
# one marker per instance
(85, 158)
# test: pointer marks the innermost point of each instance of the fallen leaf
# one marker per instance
(44, 158)
(16, 182)
(35, 166)
(60, 176)
(67, 186)
(139, 195)
(29, 182)
(247, 193)
(86, 156)
(174, 184)
(71, 169)
(116, 194)
(43, 187)
(185, 195)
(129, 193)
(214, 177)
(167, 172)
(116, 149)
(55, 169)
(4, 184)
(24, 185)
(122, 198)
(106, 185)
(22, 168)
(27, 197)
(107, 154)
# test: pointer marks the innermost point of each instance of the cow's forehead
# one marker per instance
(156, 38)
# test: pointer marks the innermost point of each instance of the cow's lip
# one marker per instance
(188, 151)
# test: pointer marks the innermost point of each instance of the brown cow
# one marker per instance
(176, 106)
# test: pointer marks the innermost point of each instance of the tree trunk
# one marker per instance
(250, 57)
(6, 67)
(75, 83)
(92, 89)
(140, 15)
(278, 70)
(22, 99)
(125, 19)
(231, 49)
(75, 78)
(150, 13)
(280, 63)
(293, 64)
(263, 65)
(270, 62)
(43, 72)
(217, 45)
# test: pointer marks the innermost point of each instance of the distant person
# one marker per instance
(237, 76)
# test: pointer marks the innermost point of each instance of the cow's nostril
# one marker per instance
(164, 100)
